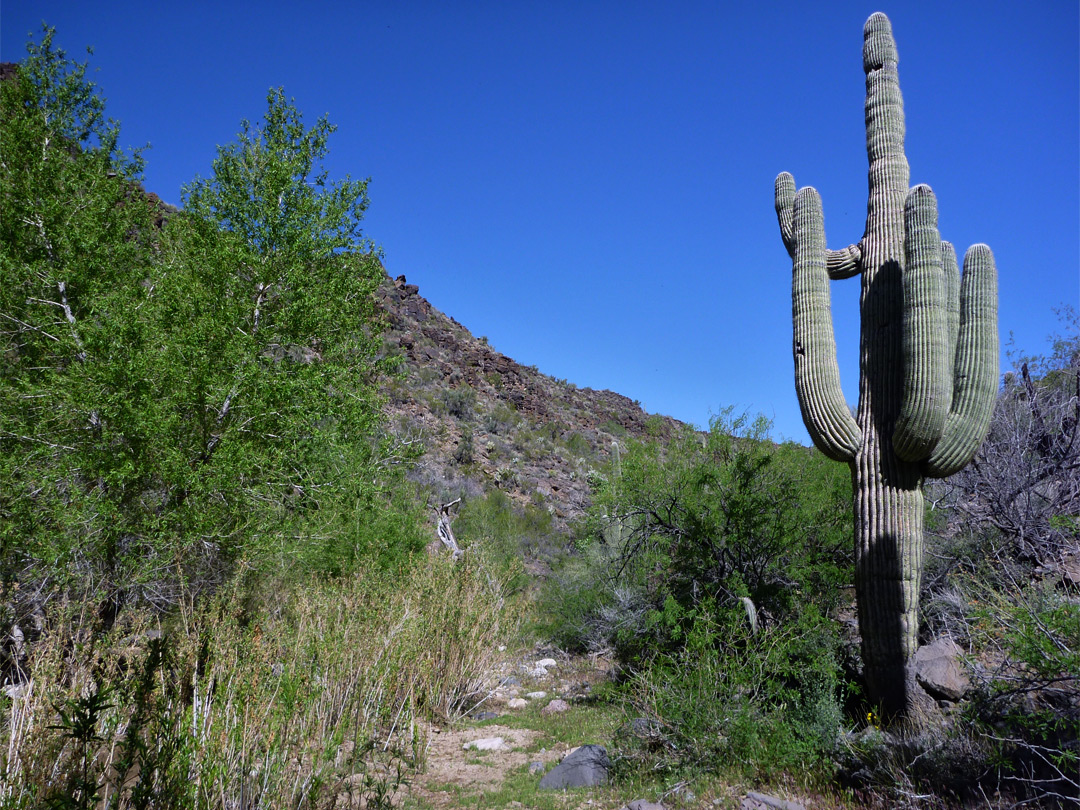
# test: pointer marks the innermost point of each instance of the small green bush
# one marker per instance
(753, 704)
(458, 402)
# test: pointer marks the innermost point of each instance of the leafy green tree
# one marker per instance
(297, 363)
(73, 251)
(271, 189)
(175, 398)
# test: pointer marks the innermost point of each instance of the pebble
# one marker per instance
(536, 695)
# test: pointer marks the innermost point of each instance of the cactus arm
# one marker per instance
(976, 370)
(844, 263)
(785, 204)
(817, 376)
(841, 264)
(927, 386)
(952, 303)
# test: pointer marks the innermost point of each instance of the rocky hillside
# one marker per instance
(487, 421)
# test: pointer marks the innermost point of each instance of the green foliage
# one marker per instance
(751, 704)
(270, 189)
(714, 591)
(458, 402)
(719, 517)
(285, 701)
(79, 719)
(176, 397)
(463, 453)
(578, 445)
(507, 533)
(1026, 711)
(70, 276)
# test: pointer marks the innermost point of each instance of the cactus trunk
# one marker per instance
(928, 370)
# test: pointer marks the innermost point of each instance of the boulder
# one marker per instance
(586, 766)
(556, 706)
(937, 669)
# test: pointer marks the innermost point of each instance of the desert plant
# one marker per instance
(276, 701)
(722, 518)
(928, 370)
(1022, 491)
(739, 700)
(458, 402)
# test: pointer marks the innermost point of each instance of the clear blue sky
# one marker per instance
(589, 184)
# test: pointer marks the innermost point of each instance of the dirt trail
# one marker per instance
(452, 770)
(454, 773)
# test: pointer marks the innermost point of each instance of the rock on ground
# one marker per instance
(937, 669)
(761, 801)
(556, 706)
(584, 767)
(486, 744)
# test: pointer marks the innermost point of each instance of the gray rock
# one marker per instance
(536, 695)
(556, 706)
(547, 662)
(762, 801)
(585, 767)
(517, 703)
(486, 744)
(535, 768)
(485, 715)
(642, 804)
(937, 669)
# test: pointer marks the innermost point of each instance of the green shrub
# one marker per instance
(578, 445)
(750, 704)
(458, 402)
(507, 533)
(720, 517)
(709, 566)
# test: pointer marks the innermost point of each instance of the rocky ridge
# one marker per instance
(487, 421)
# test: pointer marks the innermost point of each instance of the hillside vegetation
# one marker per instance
(222, 432)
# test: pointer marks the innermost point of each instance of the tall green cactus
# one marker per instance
(928, 369)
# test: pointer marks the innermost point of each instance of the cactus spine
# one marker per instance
(928, 369)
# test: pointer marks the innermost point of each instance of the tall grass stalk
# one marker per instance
(278, 705)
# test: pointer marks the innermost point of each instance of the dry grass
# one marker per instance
(293, 703)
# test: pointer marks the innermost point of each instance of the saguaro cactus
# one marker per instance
(928, 369)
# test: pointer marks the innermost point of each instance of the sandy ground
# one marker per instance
(451, 768)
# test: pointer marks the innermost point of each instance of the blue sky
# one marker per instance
(589, 184)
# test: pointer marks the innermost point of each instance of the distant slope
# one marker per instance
(534, 437)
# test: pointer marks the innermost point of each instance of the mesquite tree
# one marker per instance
(928, 369)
